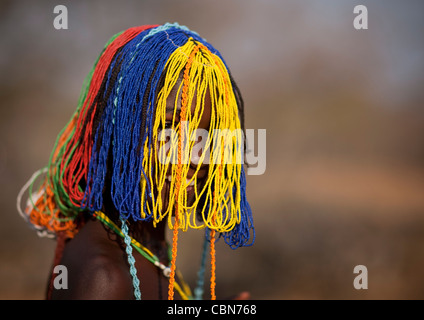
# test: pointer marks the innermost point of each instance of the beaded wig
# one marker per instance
(119, 150)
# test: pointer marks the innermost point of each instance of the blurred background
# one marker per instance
(344, 114)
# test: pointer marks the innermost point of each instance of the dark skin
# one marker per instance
(96, 259)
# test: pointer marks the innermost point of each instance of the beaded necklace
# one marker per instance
(183, 290)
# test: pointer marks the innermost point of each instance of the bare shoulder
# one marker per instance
(95, 267)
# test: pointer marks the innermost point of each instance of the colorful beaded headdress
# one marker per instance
(113, 142)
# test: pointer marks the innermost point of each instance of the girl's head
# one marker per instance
(158, 133)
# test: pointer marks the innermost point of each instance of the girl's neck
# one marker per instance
(147, 234)
(150, 236)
